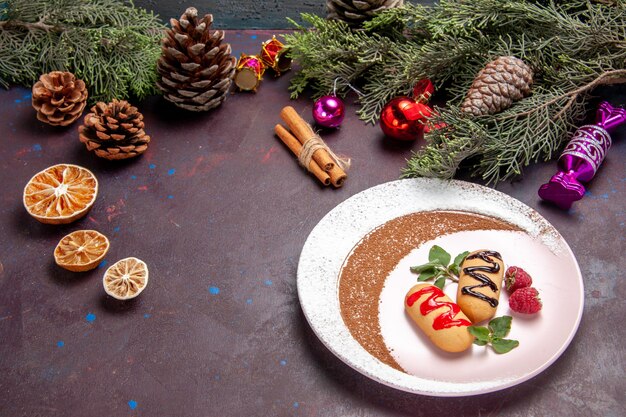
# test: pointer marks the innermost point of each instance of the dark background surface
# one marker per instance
(260, 14)
(219, 210)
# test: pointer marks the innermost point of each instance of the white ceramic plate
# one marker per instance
(540, 249)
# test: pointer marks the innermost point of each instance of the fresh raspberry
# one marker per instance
(525, 300)
(516, 278)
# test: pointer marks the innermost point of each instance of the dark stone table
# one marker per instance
(219, 210)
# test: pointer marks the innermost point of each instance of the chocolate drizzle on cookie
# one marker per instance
(485, 281)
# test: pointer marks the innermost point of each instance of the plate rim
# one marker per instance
(424, 386)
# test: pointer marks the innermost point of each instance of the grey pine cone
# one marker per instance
(195, 68)
(495, 88)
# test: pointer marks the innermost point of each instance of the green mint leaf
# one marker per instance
(430, 266)
(504, 345)
(481, 333)
(480, 342)
(500, 326)
(454, 269)
(460, 258)
(437, 254)
(426, 275)
(441, 281)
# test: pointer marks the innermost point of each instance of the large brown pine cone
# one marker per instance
(114, 130)
(196, 69)
(497, 86)
(59, 98)
(355, 12)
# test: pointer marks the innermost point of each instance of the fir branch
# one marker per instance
(110, 44)
(348, 55)
(19, 25)
(608, 77)
(572, 46)
(505, 145)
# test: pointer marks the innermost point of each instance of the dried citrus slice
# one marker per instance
(81, 250)
(126, 279)
(60, 194)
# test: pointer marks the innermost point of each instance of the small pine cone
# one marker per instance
(355, 12)
(497, 86)
(195, 68)
(59, 98)
(114, 130)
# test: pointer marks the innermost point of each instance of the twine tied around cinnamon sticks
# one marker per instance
(315, 143)
(312, 152)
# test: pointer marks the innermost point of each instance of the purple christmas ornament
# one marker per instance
(329, 111)
(582, 157)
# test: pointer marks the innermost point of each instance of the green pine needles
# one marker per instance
(109, 44)
(572, 46)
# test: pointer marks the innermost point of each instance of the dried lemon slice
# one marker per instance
(60, 194)
(126, 279)
(81, 250)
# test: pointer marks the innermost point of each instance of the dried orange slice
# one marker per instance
(126, 279)
(81, 250)
(60, 194)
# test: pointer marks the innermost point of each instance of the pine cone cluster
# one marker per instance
(196, 69)
(59, 98)
(497, 86)
(114, 130)
(355, 12)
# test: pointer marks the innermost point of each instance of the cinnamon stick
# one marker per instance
(296, 147)
(303, 132)
(337, 176)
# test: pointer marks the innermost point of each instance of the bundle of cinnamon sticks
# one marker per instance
(310, 149)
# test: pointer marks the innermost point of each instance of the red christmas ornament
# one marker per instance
(430, 127)
(403, 118)
(423, 90)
